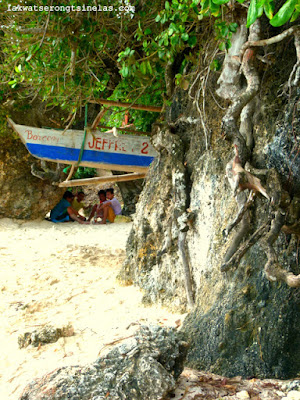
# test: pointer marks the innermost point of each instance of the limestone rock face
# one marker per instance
(242, 324)
(145, 367)
(23, 196)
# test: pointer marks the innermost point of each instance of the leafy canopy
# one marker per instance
(69, 57)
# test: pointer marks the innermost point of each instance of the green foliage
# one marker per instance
(84, 172)
(285, 13)
(224, 31)
(68, 58)
(288, 11)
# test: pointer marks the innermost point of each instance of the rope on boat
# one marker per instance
(81, 149)
(84, 136)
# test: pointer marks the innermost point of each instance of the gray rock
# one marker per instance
(44, 335)
(144, 367)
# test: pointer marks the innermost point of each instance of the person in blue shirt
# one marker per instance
(63, 212)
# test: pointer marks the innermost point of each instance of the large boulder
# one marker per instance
(144, 367)
(23, 196)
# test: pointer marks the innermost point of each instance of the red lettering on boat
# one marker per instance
(111, 142)
(98, 144)
(146, 145)
(93, 143)
(104, 142)
(29, 134)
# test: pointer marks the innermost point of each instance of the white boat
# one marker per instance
(129, 153)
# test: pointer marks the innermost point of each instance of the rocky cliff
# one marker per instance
(240, 322)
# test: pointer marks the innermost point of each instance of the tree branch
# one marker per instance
(272, 40)
(41, 31)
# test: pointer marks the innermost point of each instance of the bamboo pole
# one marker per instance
(70, 173)
(98, 118)
(127, 105)
(102, 179)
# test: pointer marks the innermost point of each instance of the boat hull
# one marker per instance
(127, 153)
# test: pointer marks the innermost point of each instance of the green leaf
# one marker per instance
(204, 4)
(158, 18)
(143, 67)
(18, 68)
(192, 41)
(224, 31)
(148, 31)
(149, 67)
(295, 15)
(174, 40)
(178, 78)
(284, 13)
(269, 8)
(214, 8)
(222, 46)
(228, 44)
(252, 13)
(260, 3)
(219, 2)
(233, 27)
(167, 5)
(185, 36)
(260, 11)
(125, 71)
(215, 65)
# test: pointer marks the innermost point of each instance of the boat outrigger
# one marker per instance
(103, 150)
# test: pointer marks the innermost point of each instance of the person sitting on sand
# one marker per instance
(63, 211)
(77, 204)
(96, 210)
(111, 207)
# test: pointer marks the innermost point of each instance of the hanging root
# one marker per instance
(273, 270)
(296, 70)
(240, 252)
(240, 179)
(186, 268)
(243, 209)
(267, 233)
(294, 30)
(243, 139)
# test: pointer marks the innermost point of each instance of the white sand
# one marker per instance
(60, 273)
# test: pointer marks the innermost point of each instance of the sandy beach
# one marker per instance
(58, 274)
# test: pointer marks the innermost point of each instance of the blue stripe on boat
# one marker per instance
(69, 154)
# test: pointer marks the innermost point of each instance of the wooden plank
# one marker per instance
(127, 105)
(102, 179)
